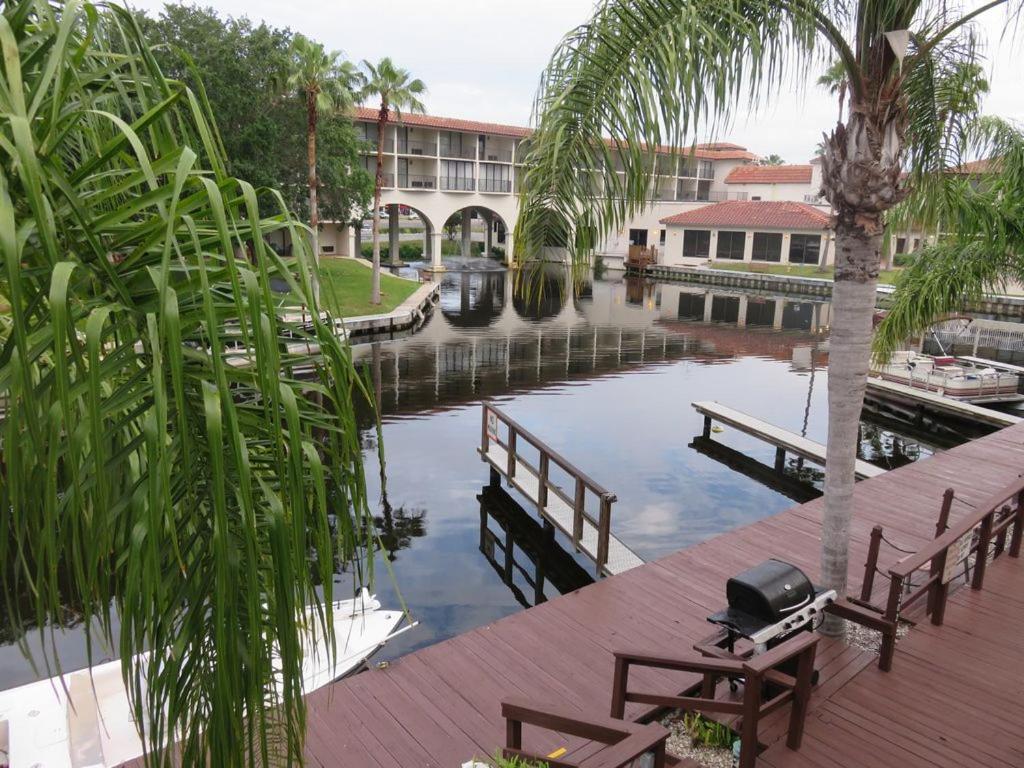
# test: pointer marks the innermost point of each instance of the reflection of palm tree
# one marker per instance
(398, 527)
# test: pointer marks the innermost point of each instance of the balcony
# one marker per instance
(714, 196)
(703, 170)
(460, 153)
(418, 148)
(495, 185)
(456, 184)
(386, 179)
(417, 181)
(665, 194)
(496, 155)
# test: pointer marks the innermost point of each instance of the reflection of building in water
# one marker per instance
(523, 551)
(743, 309)
(481, 344)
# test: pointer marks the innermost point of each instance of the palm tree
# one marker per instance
(646, 72)
(398, 92)
(834, 80)
(325, 82)
(164, 471)
(772, 159)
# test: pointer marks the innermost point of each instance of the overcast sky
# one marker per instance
(481, 59)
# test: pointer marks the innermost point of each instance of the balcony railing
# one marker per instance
(455, 184)
(424, 148)
(495, 185)
(665, 194)
(417, 181)
(703, 170)
(496, 155)
(386, 179)
(462, 153)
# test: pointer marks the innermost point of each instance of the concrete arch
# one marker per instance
(497, 229)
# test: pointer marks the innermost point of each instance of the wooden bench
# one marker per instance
(783, 440)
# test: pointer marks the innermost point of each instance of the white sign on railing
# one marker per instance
(492, 425)
(955, 555)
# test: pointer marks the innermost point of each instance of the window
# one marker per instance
(696, 244)
(326, 249)
(457, 175)
(495, 178)
(767, 246)
(804, 249)
(901, 244)
(638, 237)
(755, 197)
(730, 245)
(661, 238)
(916, 244)
(368, 132)
(707, 169)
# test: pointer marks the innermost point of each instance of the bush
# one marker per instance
(903, 259)
(406, 251)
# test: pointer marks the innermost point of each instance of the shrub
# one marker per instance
(903, 259)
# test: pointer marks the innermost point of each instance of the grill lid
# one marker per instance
(769, 591)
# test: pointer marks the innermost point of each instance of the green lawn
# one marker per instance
(345, 288)
(886, 277)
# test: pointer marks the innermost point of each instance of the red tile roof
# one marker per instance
(770, 174)
(717, 151)
(985, 165)
(746, 215)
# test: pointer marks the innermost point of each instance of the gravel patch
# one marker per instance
(869, 639)
(681, 745)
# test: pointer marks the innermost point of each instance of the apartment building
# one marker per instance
(439, 167)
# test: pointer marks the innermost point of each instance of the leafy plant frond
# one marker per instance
(166, 474)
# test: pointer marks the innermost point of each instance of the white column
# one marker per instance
(508, 248)
(467, 232)
(489, 219)
(741, 317)
(748, 247)
(357, 239)
(435, 252)
(344, 240)
(780, 305)
(393, 235)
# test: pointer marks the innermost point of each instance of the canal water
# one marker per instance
(605, 370)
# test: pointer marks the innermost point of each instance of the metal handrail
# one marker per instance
(458, 184)
(495, 185)
(461, 153)
(496, 155)
(417, 181)
(417, 148)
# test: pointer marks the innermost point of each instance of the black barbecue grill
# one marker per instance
(770, 603)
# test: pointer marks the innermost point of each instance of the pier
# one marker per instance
(509, 449)
(949, 700)
(783, 440)
(921, 399)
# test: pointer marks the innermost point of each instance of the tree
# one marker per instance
(240, 66)
(632, 73)
(326, 84)
(148, 483)
(834, 80)
(772, 159)
(397, 92)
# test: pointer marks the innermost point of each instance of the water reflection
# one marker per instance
(604, 370)
(523, 551)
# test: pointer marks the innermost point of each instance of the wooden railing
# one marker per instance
(494, 422)
(995, 527)
(641, 256)
(759, 698)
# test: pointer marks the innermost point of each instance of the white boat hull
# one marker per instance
(83, 719)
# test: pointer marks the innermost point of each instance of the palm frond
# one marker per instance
(165, 470)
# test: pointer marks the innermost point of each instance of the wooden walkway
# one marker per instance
(915, 397)
(441, 705)
(783, 440)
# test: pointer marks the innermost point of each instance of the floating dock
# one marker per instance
(923, 399)
(502, 446)
(783, 440)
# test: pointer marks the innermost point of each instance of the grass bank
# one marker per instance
(345, 288)
(885, 277)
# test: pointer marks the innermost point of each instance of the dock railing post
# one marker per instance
(871, 566)
(579, 502)
(981, 556)
(485, 442)
(943, 522)
(542, 483)
(1018, 527)
(510, 469)
(603, 530)
(939, 590)
(892, 614)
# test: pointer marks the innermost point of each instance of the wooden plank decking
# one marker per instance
(954, 696)
(933, 401)
(790, 442)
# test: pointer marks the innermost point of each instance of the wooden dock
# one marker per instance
(920, 398)
(954, 697)
(501, 445)
(783, 440)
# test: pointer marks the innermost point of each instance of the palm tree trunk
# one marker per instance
(853, 303)
(314, 214)
(860, 176)
(382, 122)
